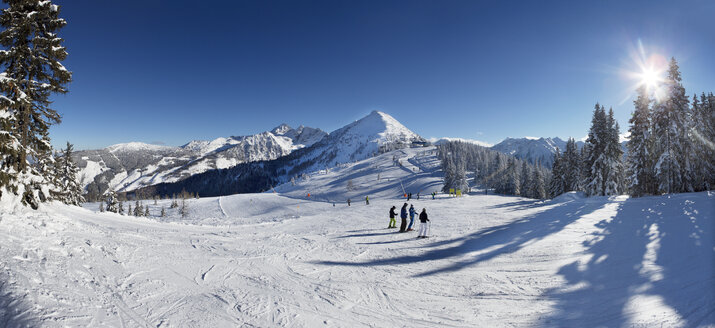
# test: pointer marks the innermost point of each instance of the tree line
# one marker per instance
(31, 73)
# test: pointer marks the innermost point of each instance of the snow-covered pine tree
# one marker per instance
(121, 208)
(537, 186)
(512, 177)
(558, 176)
(70, 190)
(163, 212)
(137, 209)
(571, 166)
(641, 148)
(146, 211)
(614, 157)
(595, 161)
(703, 141)
(112, 202)
(669, 127)
(31, 72)
(525, 180)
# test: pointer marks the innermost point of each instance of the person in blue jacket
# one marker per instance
(403, 216)
(412, 217)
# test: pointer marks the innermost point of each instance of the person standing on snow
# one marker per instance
(412, 217)
(392, 218)
(348, 201)
(423, 224)
(367, 200)
(403, 216)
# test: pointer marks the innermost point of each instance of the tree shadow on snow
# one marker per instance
(13, 310)
(490, 242)
(642, 254)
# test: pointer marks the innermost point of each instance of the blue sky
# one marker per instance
(172, 71)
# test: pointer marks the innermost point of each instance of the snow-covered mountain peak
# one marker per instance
(282, 129)
(379, 127)
(135, 146)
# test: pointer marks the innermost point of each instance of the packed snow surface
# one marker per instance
(286, 259)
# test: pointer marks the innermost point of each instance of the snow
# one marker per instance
(283, 259)
(438, 141)
(135, 146)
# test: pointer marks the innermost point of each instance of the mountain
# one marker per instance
(374, 134)
(534, 150)
(134, 165)
(540, 150)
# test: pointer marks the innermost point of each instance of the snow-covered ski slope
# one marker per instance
(282, 259)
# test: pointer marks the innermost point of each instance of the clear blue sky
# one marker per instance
(172, 71)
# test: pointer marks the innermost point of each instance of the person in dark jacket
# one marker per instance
(392, 218)
(423, 224)
(403, 216)
(412, 217)
(348, 201)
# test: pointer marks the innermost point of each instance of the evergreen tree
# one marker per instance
(70, 190)
(571, 166)
(538, 190)
(112, 202)
(641, 148)
(138, 211)
(525, 180)
(703, 141)
(595, 162)
(146, 211)
(31, 72)
(669, 124)
(614, 158)
(163, 212)
(121, 208)
(558, 176)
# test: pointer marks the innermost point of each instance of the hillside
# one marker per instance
(283, 259)
(370, 136)
(130, 166)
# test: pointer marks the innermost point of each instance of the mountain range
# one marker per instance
(257, 162)
(135, 165)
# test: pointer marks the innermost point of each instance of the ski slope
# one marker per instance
(283, 259)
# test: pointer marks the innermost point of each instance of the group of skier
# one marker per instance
(403, 215)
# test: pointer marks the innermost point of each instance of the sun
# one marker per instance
(650, 78)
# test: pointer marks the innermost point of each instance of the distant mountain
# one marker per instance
(374, 134)
(134, 165)
(534, 150)
(539, 150)
(439, 141)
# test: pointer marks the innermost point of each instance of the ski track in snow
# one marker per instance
(265, 260)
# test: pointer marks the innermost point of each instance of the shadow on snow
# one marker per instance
(643, 253)
(13, 310)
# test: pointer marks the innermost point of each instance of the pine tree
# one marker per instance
(146, 211)
(703, 141)
(525, 180)
(70, 190)
(614, 158)
(641, 148)
(112, 202)
(538, 190)
(138, 211)
(571, 167)
(595, 162)
(121, 208)
(669, 127)
(558, 179)
(163, 212)
(31, 73)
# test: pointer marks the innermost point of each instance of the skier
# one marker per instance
(392, 218)
(418, 196)
(403, 216)
(409, 196)
(423, 224)
(412, 218)
(433, 195)
(348, 201)
(367, 200)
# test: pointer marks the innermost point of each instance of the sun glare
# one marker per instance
(649, 71)
(650, 78)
